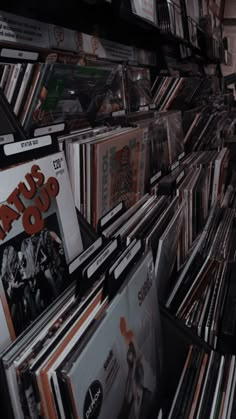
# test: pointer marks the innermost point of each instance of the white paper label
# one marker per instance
(181, 175)
(22, 146)
(5, 139)
(18, 54)
(20, 30)
(181, 156)
(127, 259)
(111, 214)
(152, 106)
(118, 113)
(85, 255)
(144, 108)
(174, 165)
(155, 177)
(103, 48)
(102, 258)
(145, 9)
(48, 130)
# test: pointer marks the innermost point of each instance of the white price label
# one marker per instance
(49, 130)
(22, 146)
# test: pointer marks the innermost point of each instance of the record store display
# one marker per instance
(111, 169)
(117, 213)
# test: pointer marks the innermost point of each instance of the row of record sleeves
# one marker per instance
(206, 387)
(110, 302)
(55, 369)
(113, 305)
(107, 299)
(51, 92)
(107, 166)
(112, 285)
(203, 294)
(58, 300)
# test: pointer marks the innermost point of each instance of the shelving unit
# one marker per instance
(170, 55)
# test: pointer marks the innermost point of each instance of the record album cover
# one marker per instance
(122, 375)
(138, 87)
(120, 171)
(39, 236)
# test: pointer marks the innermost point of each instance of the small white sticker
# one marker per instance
(5, 139)
(181, 156)
(174, 165)
(181, 175)
(155, 177)
(21, 55)
(118, 113)
(111, 214)
(104, 256)
(48, 130)
(144, 108)
(118, 271)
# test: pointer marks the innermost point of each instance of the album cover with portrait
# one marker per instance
(39, 236)
(124, 374)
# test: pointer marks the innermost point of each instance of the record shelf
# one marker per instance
(98, 87)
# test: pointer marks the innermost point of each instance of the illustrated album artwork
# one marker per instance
(39, 236)
(123, 376)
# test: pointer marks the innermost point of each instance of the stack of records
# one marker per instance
(55, 369)
(164, 141)
(189, 116)
(158, 223)
(206, 388)
(204, 133)
(169, 183)
(184, 93)
(40, 236)
(106, 169)
(202, 188)
(214, 164)
(198, 296)
(138, 88)
(10, 129)
(229, 198)
(43, 94)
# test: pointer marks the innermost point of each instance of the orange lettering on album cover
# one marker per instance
(40, 194)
